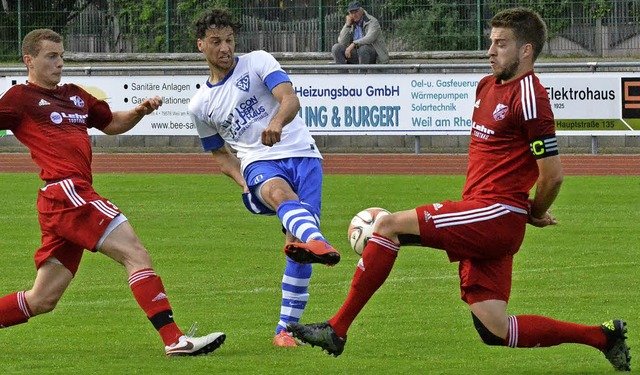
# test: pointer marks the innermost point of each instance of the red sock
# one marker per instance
(528, 331)
(14, 310)
(373, 269)
(148, 290)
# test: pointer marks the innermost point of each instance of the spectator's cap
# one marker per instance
(354, 5)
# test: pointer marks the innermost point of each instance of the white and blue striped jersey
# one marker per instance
(237, 110)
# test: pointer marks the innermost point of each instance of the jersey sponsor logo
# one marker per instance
(500, 112)
(73, 118)
(481, 131)
(243, 115)
(250, 111)
(43, 102)
(477, 105)
(77, 101)
(56, 118)
(427, 216)
(243, 82)
(231, 128)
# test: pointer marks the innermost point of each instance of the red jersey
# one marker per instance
(509, 121)
(53, 125)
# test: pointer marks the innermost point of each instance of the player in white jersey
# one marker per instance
(248, 104)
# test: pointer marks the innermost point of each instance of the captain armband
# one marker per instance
(544, 146)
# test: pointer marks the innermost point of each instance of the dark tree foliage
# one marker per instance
(34, 14)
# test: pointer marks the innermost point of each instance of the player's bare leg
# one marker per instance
(51, 282)
(123, 245)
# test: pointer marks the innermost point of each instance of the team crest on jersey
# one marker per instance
(500, 112)
(77, 101)
(243, 82)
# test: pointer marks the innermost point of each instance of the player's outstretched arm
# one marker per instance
(124, 121)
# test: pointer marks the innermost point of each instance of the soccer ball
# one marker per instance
(361, 227)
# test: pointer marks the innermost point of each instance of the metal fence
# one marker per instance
(577, 28)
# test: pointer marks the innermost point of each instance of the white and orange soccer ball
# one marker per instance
(361, 227)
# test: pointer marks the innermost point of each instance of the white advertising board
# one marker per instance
(398, 104)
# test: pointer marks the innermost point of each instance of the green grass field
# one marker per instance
(222, 267)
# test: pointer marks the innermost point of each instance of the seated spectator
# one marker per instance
(361, 40)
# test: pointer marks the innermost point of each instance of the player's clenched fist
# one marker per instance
(149, 105)
(271, 135)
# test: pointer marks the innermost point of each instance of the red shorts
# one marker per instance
(481, 236)
(73, 217)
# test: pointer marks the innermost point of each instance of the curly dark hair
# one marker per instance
(215, 18)
(527, 26)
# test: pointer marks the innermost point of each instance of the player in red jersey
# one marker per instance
(52, 121)
(513, 147)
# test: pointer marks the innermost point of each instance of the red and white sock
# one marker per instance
(529, 331)
(149, 292)
(373, 269)
(14, 310)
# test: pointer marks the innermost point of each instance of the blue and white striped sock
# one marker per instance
(299, 221)
(295, 293)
